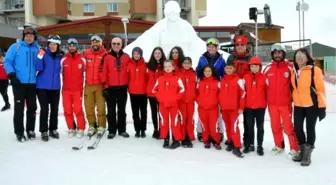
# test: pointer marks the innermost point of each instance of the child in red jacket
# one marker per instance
(187, 103)
(207, 99)
(177, 56)
(231, 100)
(3, 83)
(255, 104)
(137, 89)
(169, 90)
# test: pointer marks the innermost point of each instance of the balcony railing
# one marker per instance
(14, 5)
(183, 4)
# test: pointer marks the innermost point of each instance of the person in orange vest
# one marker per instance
(73, 67)
(4, 84)
(255, 104)
(187, 103)
(232, 100)
(93, 90)
(309, 103)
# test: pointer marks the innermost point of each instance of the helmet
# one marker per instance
(54, 39)
(72, 41)
(278, 47)
(255, 61)
(212, 41)
(29, 30)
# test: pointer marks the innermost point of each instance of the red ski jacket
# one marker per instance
(152, 77)
(176, 65)
(73, 67)
(93, 62)
(168, 90)
(137, 77)
(207, 93)
(256, 89)
(240, 63)
(189, 80)
(3, 74)
(114, 69)
(231, 93)
(278, 81)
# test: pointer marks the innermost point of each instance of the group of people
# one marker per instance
(222, 90)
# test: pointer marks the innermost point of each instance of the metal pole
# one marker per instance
(311, 48)
(303, 25)
(299, 9)
(257, 37)
(125, 29)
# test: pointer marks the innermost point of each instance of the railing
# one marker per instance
(11, 5)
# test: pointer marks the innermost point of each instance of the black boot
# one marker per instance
(111, 135)
(175, 144)
(298, 158)
(185, 141)
(156, 134)
(189, 144)
(199, 136)
(124, 134)
(143, 134)
(306, 156)
(6, 107)
(31, 135)
(54, 134)
(137, 134)
(21, 138)
(44, 136)
(249, 148)
(229, 147)
(237, 152)
(217, 146)
(260, 150)
(166, 143)
(207, 145)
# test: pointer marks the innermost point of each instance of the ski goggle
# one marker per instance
(212, 41)
(72, 41)
(96, 38)
(54, 37)
(28, 31)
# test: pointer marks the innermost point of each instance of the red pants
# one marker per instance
(231, 124)
(169, 120)
(72, 103)
(278, 114)
(209, 121)
(187, 125)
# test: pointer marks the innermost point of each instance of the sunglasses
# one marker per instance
(116, 43)
(72, 41)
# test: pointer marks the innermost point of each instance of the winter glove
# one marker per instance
(321, 113)
(14, 81)
(106, 93)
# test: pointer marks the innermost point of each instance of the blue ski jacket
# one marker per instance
(218, 63)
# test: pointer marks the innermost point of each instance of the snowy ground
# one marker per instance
(144, 161)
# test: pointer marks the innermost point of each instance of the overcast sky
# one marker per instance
(320, 20)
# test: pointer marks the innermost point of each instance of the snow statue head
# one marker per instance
(172, 11)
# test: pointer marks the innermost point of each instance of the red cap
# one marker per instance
(255, 61)
(241, 40)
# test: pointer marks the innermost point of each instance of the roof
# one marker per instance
(260, 25)
(215, 28)
(319, 51)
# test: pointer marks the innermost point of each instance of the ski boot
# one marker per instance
(80, 134)
(92, 131)
(44, 136)
(237, 152)
(54, 134)
(100, 131)
(71, 133)
(31, 135)
(143, 134)
(248, 149)
(260, 150)
(156, 134)
(21, 138)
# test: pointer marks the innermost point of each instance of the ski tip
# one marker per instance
(90, 148)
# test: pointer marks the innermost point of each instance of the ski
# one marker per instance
(95, 143)
(81, 144)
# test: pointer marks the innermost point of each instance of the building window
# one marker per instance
(88, 8)
(16, 21)
(112, 7)
(223, 34)
(207, 34)
(69, 5)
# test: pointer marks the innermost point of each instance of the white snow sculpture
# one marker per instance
(169, 32)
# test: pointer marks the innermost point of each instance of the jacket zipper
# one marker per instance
(28, 56)
(119, 70)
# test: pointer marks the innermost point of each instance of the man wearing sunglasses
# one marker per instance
(115, 80)
(93, 91)
(215, 59)
(20, 66)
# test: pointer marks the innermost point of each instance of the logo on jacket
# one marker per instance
(286, 74)
(167, 83)
(80, 66)
(89, 60)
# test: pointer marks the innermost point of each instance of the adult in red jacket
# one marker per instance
(231, 101)
(93, 92)
(240, 59)
(279, 100)
(137, 90)
(169, 90)
(73, 66)
(115, 81)
(3, 84)
(154, 71)
(255, 104)
(187, 103)
(207, 99)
